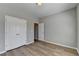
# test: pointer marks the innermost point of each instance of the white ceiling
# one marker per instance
(35, 11)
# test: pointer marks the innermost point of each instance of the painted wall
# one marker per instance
(2, 32)
(78, 27)
(30, 30)
(18, 14)
(61, 28)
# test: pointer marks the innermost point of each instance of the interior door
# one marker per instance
(41, 31)
(15, 32)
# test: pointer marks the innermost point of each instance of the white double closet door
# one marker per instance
(15, 32)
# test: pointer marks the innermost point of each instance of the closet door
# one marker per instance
(15, 32)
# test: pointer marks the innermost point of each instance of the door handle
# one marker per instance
(17, 34)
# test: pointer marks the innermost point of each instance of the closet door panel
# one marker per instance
(15, 30)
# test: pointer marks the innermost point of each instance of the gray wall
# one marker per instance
(61, 28)
(19, 14)
(2, 32)
(30, 30)
(78, 27)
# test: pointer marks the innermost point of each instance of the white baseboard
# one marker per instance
(59, 44)
(7, 50)
(29, 43)
(2, 52)
(78, 51)
(47, 42)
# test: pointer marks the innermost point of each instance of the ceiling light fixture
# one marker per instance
(39, 2)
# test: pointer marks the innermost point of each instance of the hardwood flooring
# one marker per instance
(41, 49)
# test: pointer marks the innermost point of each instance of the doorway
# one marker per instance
(35, 31)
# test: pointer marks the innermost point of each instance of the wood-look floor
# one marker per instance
(41, 49)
